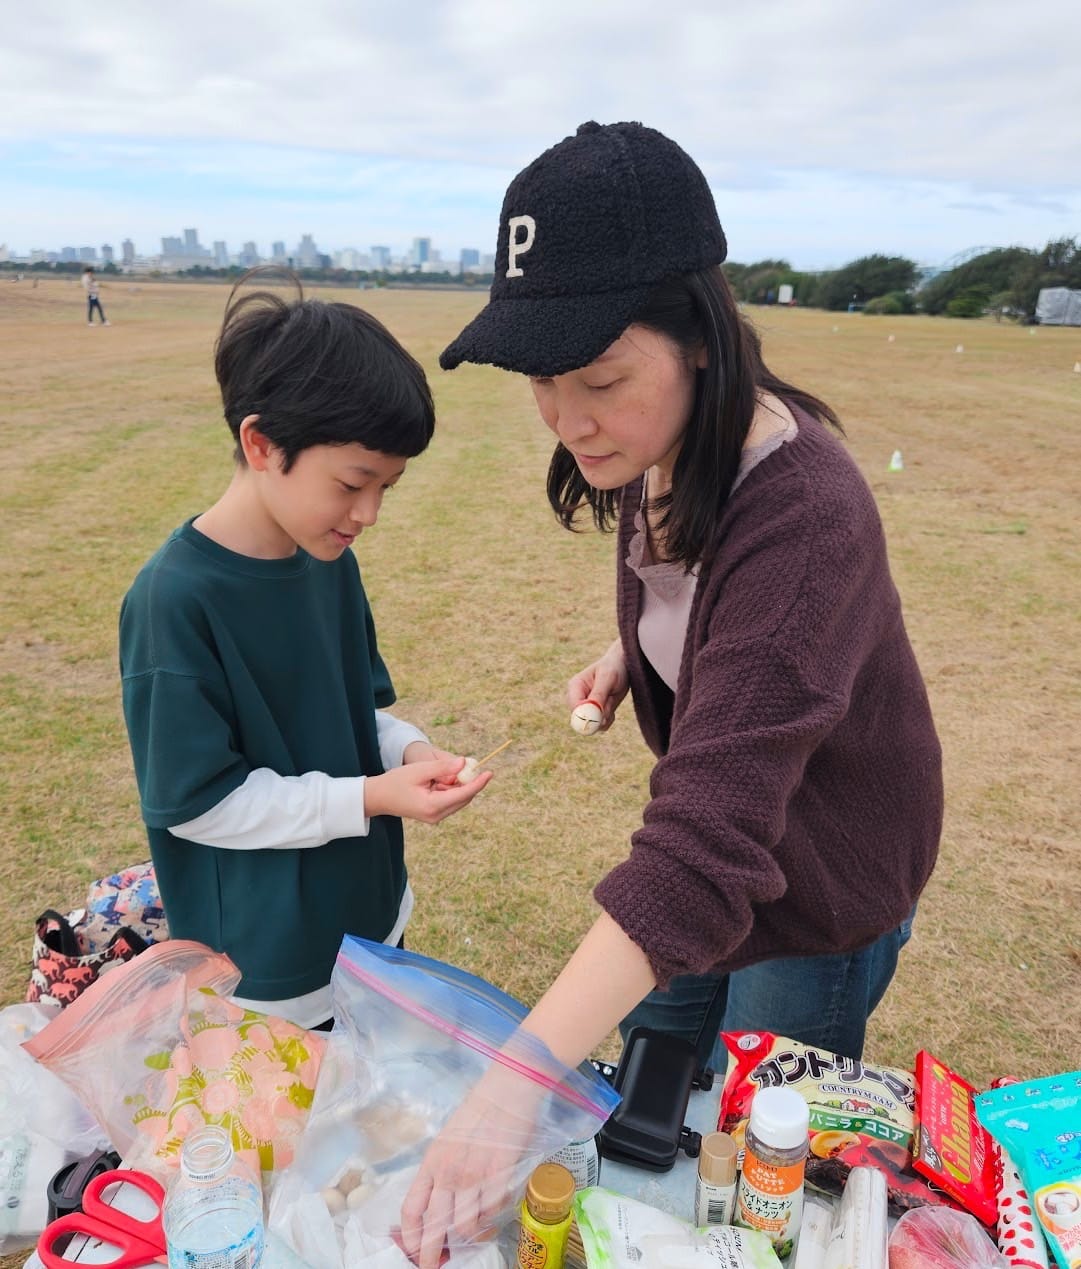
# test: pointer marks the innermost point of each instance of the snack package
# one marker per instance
(1038, 1124)
(1018, 1233)
(1019, 1236)
(860, 1115)
(155, 1049)
(620, 1233)
(937, 1238)
(951, 1148)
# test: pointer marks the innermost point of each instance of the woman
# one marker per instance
(796, 802)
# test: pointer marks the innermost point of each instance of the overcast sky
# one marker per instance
(827, 128)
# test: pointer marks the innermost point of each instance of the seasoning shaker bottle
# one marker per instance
(715, 1191)
(770, 1193)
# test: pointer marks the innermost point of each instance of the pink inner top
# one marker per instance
(667, 590)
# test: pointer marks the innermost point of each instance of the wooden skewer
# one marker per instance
(499, 749)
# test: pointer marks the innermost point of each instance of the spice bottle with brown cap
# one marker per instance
(715, 1193)
(546, 1217)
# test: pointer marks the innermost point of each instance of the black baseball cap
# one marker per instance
(587, 231)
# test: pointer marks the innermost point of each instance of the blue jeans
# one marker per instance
(823, 1001)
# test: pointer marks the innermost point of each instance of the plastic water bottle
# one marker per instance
(214, 1212)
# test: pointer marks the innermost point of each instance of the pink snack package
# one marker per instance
(156, 1049)
(942, 1238)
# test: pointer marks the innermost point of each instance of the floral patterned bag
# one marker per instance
(156, 1049)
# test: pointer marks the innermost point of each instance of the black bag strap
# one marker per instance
(62, 939)
(127, 935)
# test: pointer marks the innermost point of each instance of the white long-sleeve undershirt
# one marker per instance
(275, 812)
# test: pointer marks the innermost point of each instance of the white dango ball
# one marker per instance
(334, 1199)
(587, 718)
(468, 772)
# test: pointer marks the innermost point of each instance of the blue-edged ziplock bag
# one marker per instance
(412, 1038)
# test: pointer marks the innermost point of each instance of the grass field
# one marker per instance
(485, 607)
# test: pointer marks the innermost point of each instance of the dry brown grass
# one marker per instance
(112, 436)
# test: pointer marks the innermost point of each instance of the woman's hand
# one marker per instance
(605, 681)
(427, 790)
(472, 1173)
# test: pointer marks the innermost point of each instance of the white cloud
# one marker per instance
(980, 97)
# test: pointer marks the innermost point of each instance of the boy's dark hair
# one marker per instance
(318, 373)
(693, 310)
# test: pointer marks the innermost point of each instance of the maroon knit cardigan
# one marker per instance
(796, 803)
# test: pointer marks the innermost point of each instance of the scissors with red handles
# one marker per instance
(139, 1242)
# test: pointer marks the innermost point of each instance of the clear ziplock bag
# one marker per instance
(412, 1038)
(155, 1049)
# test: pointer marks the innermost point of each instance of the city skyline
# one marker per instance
(188, 249)
(826, 131)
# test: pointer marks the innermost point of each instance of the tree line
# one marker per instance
(1005, 281)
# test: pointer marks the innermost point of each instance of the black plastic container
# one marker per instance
(655, 1076)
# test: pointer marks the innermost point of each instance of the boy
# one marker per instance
(271, 782)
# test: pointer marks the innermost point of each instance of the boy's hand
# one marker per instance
(425, 791)
(424, 751)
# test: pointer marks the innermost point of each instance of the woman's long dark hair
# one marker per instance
(693, 310)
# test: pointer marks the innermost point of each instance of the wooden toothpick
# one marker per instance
(499, 749)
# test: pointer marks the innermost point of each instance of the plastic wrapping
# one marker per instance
(155, 1049)
(412, 1039)
(43, 1127)
(941, 1238)
(621, 1233)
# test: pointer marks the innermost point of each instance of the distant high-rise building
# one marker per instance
(277, 253)
(221, 256)
(307, 253)
(191, 242)
(68, 255)
(422, 250)
(38, 255)
(349, 258)
(88, 254)
(128, 249)
(380, 257)
(106, 253)
(172, 247)
(470, 258)
(249, 255)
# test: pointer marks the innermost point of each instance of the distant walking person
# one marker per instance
(90, 286)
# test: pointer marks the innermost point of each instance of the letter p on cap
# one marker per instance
(518, 244)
